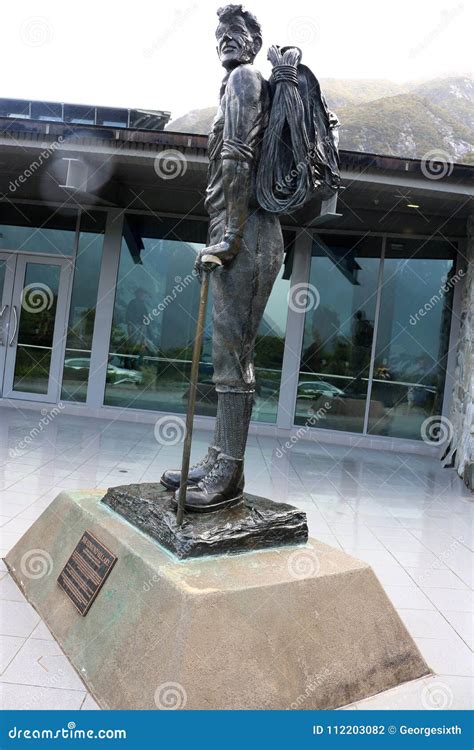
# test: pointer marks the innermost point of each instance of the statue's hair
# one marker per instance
(228, 12)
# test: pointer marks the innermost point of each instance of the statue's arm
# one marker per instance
(241, 118)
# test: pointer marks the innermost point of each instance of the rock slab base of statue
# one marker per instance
(256, 523)
(293, 628)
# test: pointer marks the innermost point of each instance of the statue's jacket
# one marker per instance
(241, 290)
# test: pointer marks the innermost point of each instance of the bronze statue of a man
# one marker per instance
(252, 257)
(272, 147)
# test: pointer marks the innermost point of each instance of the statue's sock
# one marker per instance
(218, 429)
(233, 419)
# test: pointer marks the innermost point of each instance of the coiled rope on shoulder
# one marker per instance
(283, 177)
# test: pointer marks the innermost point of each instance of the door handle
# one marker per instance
(15, 328)
(2, 311)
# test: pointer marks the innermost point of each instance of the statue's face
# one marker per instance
(235, 44)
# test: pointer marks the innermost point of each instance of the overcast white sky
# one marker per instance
(161, 55)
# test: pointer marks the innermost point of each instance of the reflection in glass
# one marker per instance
(338, 332)
(83, 306)
(413, 337)
(270, 345)
(154, 324)
(37, 229)
(3, 310)
(154, 317)
(37, 314)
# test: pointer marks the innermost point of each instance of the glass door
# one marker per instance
(34, 344)
(7, 274)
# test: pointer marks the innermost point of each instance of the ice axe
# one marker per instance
(209, 261)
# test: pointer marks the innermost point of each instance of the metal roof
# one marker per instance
(144, 136)
(83, 114)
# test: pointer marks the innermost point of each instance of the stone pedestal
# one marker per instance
(293, 628)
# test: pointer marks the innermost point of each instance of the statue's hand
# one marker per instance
(221, 254)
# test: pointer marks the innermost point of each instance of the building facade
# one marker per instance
(365, 332)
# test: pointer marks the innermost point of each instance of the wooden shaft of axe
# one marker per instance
(200, 325)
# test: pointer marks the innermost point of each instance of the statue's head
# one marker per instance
(239, 36)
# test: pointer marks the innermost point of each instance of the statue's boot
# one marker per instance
(171, 479)
(221, 488)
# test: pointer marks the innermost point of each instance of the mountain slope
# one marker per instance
(403, 125)
(455, 94)
(196, 121)
(342, 92)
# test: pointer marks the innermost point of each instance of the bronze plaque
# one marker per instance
(86, 571)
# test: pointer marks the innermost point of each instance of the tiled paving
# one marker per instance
(405, 515)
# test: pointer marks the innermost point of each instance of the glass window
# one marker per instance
(83, 306)
(339, 309)
(412, 337)
(155, 311)
(154, 324)
(37, 229)
(269, 346)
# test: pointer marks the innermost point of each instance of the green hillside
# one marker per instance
(403, 125)
(455, 94)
